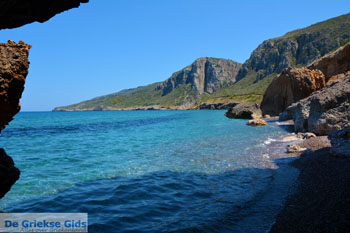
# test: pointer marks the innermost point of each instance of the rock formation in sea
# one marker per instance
(205, 76)
(292, 85)
(14, 66)
(256, 122)
(15, 13)
(244, 111)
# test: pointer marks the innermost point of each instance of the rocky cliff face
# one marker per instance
(15, 13)
(183, 90)
(333, 63)
(292, 85)
(205, 75)
(299, 47)
(13, 71)
(324, 111)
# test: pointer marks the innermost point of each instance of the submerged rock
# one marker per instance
(295, 149)
(244, 111)
(340, 141)
(306, 135)
(292, 85)
(257, 122)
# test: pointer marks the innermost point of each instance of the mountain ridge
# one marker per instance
(231, 82)
(180, 91)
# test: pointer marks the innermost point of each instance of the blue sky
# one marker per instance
(109, 45)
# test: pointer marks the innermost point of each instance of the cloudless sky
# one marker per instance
(109, 45)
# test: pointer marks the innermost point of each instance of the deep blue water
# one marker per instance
(147, 171)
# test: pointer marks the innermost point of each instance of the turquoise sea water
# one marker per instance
(150, 171)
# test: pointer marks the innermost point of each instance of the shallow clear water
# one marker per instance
(145, 171)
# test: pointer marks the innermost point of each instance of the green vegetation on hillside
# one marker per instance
(297, 48)
(245, 90)
(323, 27)
(138, 97)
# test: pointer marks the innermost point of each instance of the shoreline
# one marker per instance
(291, 215)
(264, 210)
(321, 201)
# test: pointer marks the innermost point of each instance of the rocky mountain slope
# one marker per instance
(297, 48)
(327, 109)
(181, 91)
(205, 75)
(219, 82)
(294, 84)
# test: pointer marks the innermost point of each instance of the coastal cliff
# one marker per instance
(291, 85)
(324, 111)
(183, 90)
(295, 84)
(321, 201)
(205, 75)
(210, 82)
(13, 72)
(327, 109)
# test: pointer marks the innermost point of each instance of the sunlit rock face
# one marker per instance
(14, 66)
(292, 85)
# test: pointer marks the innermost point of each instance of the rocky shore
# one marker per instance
(322, 201)
(316, 98)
